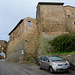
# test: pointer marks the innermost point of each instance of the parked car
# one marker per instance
(53, 64)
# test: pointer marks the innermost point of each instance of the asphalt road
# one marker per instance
(7, 68)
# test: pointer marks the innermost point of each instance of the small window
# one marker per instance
(29, 23)
(72, 13)
(36, 24)
(18, 35)
(74, 23)
(68, 16)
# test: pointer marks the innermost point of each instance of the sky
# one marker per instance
(12, 11)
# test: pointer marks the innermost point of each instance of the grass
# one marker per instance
(72, 52)
(61, 53)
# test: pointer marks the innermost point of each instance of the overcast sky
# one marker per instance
(12, 11)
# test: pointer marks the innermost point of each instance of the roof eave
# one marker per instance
(50, 3)
(16, 26)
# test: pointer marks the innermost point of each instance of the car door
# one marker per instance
(46, 63)
(42, 61)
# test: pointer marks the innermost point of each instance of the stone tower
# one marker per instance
(51, 17)
(51, 22)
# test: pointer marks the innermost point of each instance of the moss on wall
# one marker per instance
(29, 44)
(45, 38)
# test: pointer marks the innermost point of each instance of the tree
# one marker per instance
(64, 43)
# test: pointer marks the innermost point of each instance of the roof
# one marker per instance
(16, 26)
(50, 3)
(69, 6)
(3, 41)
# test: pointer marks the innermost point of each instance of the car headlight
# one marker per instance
(54, 65)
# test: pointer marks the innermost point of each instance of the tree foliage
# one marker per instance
(64, 43)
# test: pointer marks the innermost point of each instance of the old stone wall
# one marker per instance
(51, 18)
(27, 40)
(29, 43)
(18, 32)
(30, 29)
(34, 35)
(70, 18)
(14, 51)
(3, 46)
(45, 38)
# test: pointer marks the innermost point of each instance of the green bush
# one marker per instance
(64, 43)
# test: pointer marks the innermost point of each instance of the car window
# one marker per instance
(42, 58)
(55, 59)
(45, 59)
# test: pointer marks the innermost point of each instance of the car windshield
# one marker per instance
(55, 59)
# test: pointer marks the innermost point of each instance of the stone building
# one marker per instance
(51, 21)
(70, 18)
(23, 37)
(3, 46)
(51, 17)
(34, 35)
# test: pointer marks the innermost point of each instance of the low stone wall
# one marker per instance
(70, 58)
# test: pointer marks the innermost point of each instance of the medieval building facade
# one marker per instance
(52, 19)
(70, 18)
(3, 47)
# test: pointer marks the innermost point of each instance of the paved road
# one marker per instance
(7, 68)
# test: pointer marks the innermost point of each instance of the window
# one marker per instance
(55, 59)
(36, 24)
(74, 23)
(42, 58)
(18, 35)
(45, 58)
(68, 16)
(29, 23)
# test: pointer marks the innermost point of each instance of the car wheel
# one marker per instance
(40, 67)
(51, 70)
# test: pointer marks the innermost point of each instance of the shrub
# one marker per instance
(64, 43)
